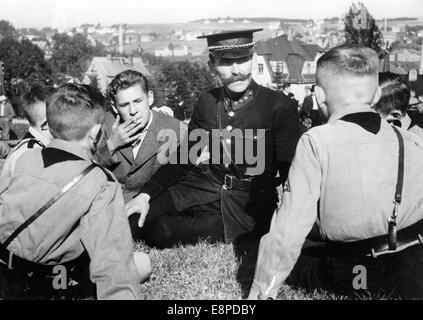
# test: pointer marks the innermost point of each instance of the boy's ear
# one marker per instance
(377, 97)
(150, 98)
(95, 133)
(320, 94)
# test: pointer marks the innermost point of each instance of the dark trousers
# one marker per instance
(165, 227)
(24, 285)
(387, 276)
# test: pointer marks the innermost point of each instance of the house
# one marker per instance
(165, 52)
(405, 55)
(281, 60)
(104, 69)
(179, 51)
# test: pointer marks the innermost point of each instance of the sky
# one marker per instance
(41, 13)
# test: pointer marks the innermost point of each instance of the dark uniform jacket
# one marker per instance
(133, 173)
(242, 211)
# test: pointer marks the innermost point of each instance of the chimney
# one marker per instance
(386, 24)
(131, 60)
(291, 34)
(120, 39)
(421, 61)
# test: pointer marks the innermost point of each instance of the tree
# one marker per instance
(181, 83)
(72, 55)
(7, 30)
(361, 28)
(23, 61)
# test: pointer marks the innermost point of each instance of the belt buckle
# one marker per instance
(228, 185)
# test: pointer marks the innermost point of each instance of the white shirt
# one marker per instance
(137, 144)
(315, 105)
(2, 106)
(19, 149)
(344, 178)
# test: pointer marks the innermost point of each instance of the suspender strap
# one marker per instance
(44, 208)
(392, 221)
(400, 177)
(237, 172)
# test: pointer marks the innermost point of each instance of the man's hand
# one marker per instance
(123, 134)
(139, 204)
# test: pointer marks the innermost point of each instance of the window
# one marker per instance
(260, 68)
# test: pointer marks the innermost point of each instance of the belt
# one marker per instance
(231, 182)
(407, 237)
(14, 262)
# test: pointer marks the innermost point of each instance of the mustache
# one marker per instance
(236, 78)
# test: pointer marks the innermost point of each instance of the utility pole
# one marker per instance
(2, 91)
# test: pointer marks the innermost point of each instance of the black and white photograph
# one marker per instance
(211, 154)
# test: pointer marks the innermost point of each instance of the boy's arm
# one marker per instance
(107, 238)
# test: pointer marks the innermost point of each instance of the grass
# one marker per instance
(207, 272)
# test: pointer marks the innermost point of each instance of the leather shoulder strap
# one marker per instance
(48, 204)
(392, 221)
(400, 176)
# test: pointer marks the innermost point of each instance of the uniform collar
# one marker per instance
(362, 115)
(238, 101)
(60, 150)
(338, 114)
(34, 134)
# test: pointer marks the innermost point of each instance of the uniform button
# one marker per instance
(231, 113)
(229, 128)
(226, 165)
(236, 103)
(228, 141)
(250, 93)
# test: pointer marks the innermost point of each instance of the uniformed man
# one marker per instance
(355, 177)
(60, 209)
(38, 135)
(226, 195)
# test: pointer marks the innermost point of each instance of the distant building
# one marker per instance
(104, 69)
(279, 59)
(179, 51)
(145, 38)
(165, 52)
(274, 25)
(390, 36)
(405, 55)
(44, 46)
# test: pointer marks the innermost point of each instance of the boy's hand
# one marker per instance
(123, 134)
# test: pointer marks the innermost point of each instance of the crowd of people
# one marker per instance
(93, 174)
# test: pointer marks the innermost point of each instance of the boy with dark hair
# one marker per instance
(38, 136)
(393, 105)
(133, 132)
(66, 209)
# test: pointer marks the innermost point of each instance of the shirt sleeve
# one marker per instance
(107, 238)
(281, 247)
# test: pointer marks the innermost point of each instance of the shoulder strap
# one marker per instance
(392, 221)
(48, 204)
